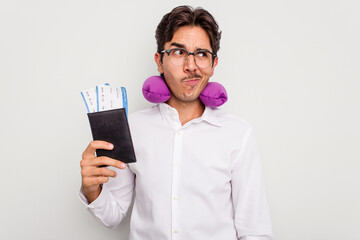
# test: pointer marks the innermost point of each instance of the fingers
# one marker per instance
(94, 181)
(97, 144)
(89, 159)
(91, 186)
(95, 172)
(101, 161)
(93, 175)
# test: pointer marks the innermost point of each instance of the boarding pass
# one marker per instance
(105, 97)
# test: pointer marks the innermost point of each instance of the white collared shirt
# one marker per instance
(199, 181)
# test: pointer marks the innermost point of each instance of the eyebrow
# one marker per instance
(179, 45)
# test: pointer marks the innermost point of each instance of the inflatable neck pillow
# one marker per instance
(155, 90)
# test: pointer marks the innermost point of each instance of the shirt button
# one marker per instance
(176, 197)
(176, 231)
(178, 133)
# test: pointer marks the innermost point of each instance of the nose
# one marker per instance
(190, 65)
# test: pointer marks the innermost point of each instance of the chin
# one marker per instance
(190, 97)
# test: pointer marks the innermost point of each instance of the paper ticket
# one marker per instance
(104, 97)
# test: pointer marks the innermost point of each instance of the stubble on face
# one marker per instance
(188, 88)
(187, 82)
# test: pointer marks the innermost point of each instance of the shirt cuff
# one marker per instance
(270, 237)
(99, 201)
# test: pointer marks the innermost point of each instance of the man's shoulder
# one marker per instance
(234, 128)
(145, 114)
(226, 118)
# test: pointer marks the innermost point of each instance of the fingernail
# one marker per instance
(123, 165)
(111, 146)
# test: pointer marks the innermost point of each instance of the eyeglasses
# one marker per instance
(179, 56)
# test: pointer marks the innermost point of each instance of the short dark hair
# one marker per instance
(185, 16)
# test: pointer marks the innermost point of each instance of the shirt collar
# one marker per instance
(208, 115)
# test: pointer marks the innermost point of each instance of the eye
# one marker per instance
(178, 52)
(202, 54)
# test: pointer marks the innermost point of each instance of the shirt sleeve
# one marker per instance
(111, 206)
(252, 218)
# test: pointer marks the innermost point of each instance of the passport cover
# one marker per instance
(112, 126)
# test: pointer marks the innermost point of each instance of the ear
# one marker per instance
(214, 65)
(157, 59)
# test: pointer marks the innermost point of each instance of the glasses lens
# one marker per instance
(178, 56)
(203, 59)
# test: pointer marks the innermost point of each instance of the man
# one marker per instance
(198, 172)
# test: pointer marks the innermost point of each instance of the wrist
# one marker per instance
(91, 194)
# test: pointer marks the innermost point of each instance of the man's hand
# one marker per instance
(93, 175)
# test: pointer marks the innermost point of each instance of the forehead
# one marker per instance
(191, 37)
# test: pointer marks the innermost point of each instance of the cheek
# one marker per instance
(212, 72)
(204, 85)
(168, 70)
(170, 80)
(171, 74)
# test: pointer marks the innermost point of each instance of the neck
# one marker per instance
(187, 110)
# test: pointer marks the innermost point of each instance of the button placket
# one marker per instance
(177, 156)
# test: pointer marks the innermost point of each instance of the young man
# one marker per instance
(198, 171)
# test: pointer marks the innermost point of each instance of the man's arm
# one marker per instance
(252, 218)
(106, 191)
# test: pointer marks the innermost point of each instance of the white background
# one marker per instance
(291, 68)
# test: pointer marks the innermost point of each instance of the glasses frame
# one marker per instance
(168, 51)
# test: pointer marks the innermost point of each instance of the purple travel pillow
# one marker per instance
(155, 90)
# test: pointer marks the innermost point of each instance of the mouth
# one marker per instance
(192, 82)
